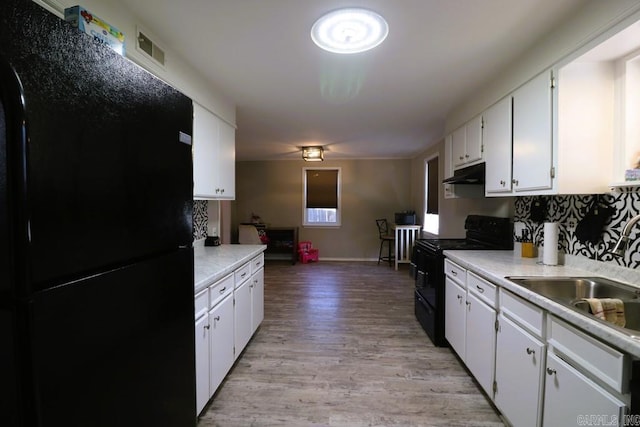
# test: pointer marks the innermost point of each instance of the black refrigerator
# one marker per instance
(96, 257)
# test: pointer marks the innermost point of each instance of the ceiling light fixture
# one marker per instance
(350, 30)
(312, 154)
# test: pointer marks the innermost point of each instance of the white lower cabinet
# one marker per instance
(538, 369)
(570, 398)
(470, 322)
(454, 312)
(242, 313)
(257, 299)
(227, 314)
(202, 362)
(221, 342)
(519, 373)
(480, 341)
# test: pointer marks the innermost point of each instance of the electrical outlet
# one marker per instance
(571, 224)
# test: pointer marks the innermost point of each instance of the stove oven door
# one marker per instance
(429, 269)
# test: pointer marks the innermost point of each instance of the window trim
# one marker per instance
(305, 222)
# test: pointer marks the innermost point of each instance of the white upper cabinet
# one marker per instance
(561, 135)
(496, 137)
(213, 156)
(466, 143)
(532, 135)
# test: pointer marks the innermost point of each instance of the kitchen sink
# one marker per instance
(570, 291)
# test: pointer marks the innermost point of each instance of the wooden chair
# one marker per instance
(385, 236)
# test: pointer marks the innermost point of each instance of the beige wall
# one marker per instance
(370, 189)
(452, 212)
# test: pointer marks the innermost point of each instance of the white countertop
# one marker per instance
(212, 263)
(496, 265)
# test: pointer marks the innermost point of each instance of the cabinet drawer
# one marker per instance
(524, 313)
(485, 291)
(201, 303)
(594, 357)
(456, 272)
(220, 289)
(242, 274)
(257, 263)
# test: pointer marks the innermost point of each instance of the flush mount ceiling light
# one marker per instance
(349, 30)
(312, 154)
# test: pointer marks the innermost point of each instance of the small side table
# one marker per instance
(406, 236)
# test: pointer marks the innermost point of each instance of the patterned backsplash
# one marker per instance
(622, 206)
(200, 219)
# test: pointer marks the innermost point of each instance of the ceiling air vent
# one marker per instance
(149, 47)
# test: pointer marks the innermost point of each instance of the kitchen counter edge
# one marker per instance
(496, 265)
(212, 263)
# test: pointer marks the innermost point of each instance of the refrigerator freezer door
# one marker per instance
(118, 348)
(108, 179)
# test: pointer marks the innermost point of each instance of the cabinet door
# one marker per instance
(226, 163)
(519, 362)
(569, 395)
(473, 147)
(257, 299)
(242, 316)
(480, 343)
(202, 363)
(449, 189)
(206, 138)
(454, 316)
(221, 341)
(459, 146)
(532, 135)
(497, 141)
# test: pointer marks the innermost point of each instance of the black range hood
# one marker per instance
(469, 175)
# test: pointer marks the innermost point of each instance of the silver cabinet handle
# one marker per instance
(502, 182)
(217, 318)
(466, 156)
(551, 371)
(514, 181)
(207, 326)
(530, 351)
(455, 273)
(243, 274)
(481, 290)
(459, 297)
(223, 289)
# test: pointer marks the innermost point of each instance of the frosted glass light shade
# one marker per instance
(349, 30)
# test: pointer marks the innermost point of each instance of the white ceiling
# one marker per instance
(390, 102)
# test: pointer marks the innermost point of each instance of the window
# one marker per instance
(431, 186)
(321, 197)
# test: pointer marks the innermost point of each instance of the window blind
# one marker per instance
(322, 188)
(432, 186)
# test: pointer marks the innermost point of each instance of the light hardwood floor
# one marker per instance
(340, 346)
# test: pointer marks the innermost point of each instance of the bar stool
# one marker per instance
(383, 232)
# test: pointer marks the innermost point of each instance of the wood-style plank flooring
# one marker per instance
(340, 346)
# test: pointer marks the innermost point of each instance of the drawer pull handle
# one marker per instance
(217, 318)
(455, 273)
(459, 297)
(551, 371)
(481, 290)
(207, 326)
(243, 274)
(530, 351)
(223, 289)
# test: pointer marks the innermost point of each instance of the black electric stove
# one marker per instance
(427, 267)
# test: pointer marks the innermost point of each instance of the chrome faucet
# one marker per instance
(621, 245)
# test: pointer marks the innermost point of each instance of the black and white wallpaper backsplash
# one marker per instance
(200, 219)
(614, 210)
